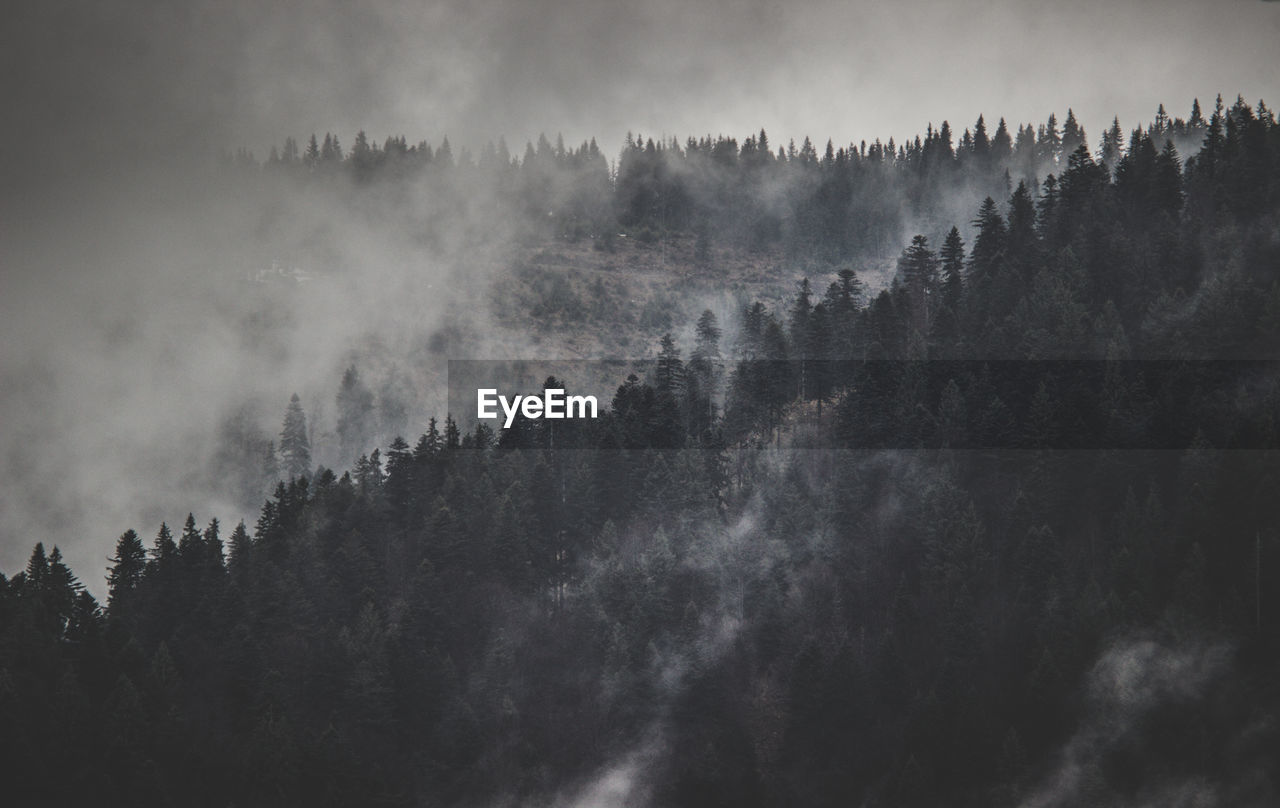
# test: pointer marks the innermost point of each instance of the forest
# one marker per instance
(1001, 532)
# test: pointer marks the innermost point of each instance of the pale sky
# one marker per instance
(219, 73)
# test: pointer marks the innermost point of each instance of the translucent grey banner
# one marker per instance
(883, 404)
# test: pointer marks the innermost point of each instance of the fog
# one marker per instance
(132, 321)
(133, 343)
(1130, 681)
(209, 74)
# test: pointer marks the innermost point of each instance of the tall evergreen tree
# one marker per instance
(164, 548)
(918, 269)
(952, 257)
(1001, 146)
(126, 570)
(707, 337)
(668, 372)
(295, 446)
(703, 373)
(1112, 145)
(239, 549)
(989, 243)
(1073, 135)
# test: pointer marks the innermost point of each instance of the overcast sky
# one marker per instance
(229, 72)
(119, 351)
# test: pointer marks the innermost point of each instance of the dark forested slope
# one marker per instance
(800, 566)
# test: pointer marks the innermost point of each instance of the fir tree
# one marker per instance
(126, 570)
(295, 447)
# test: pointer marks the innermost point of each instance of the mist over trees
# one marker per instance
(819, 204)
(797, 565)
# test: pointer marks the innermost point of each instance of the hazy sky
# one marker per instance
(119, 345)
(230, 72)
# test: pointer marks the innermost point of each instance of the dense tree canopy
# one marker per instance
(845, 557)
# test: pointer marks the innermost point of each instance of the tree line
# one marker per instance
(832, 204)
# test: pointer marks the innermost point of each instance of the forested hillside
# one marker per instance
(1003, 532)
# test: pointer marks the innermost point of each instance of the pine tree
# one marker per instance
(399, 481)
(1021, 244)
(62, 588)
(164, 549)
(668, 372)
(918, 269)
(1049, 144)
(1047, 208)
(702, 376)
(451, 437)
(843, 299)
(707, 338)
(368, 472)
(1166, 187)
(311, 158)
(190, 544)
(952, 269)
(1001, 146)
(989, 244)
(363, 157)
(330, 152)
(1112, 146)
(126, 570)
(981, 143)
(1072, 134)
(801, 309)
(37, 571)
(214, 552)
(1160, 127)
(240, 547)
(429, 444)
(1196, 122)
(752, 334)
(295, 448)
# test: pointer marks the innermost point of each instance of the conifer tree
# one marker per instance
(190, 544)
(126, 570)
(702, 373)
(668, 373)
(981, 143)
(451, 437)
(1112, 145)
(707, 335)
(989, 243)
(240, 547)
(1049, 144)
(1166, 189)
(1072, 134)
(214, 552)
(1001, 146)
(164, 549)
(37, 566)
(295, 447)
(311, 158)
(952, 257)
(918, 269)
